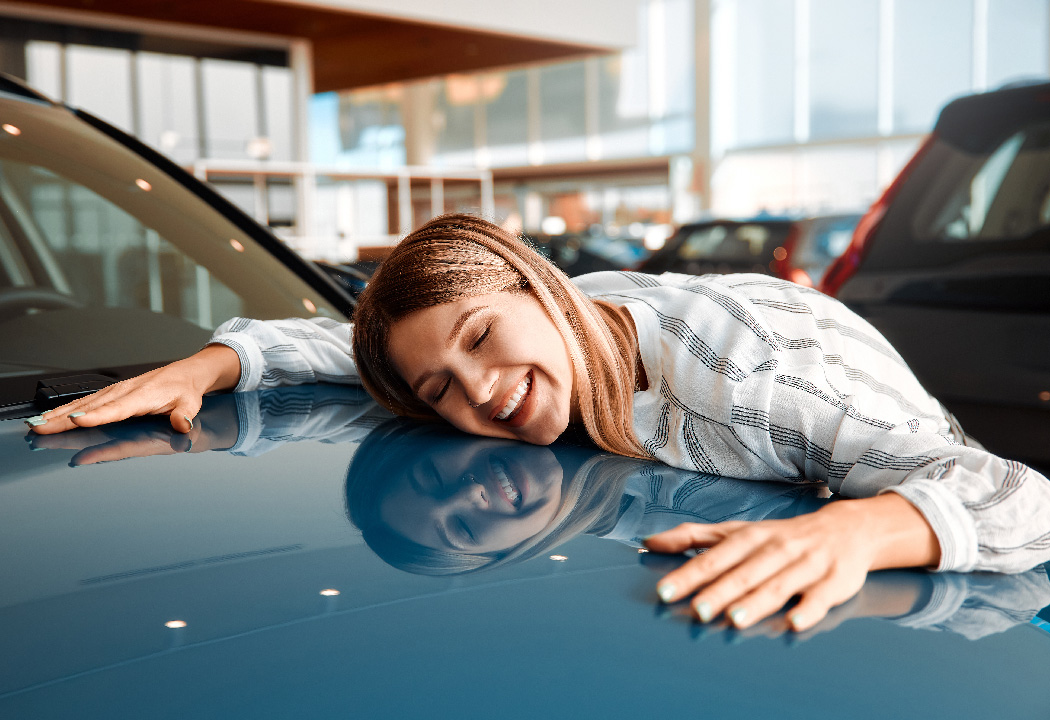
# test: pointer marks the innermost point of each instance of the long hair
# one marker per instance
(459, 255)
(592, 486)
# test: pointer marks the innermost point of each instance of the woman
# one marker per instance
(742, 376)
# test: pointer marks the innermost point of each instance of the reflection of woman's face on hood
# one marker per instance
(485, 496)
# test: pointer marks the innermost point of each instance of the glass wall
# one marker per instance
(816, 104)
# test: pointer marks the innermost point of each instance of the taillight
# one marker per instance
(781, 263)
(846, 264)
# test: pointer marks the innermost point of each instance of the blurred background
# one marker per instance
(343, 124)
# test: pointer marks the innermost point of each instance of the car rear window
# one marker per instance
(1000, 195)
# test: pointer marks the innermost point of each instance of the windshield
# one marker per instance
(107, 262)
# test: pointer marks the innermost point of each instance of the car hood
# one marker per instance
(259, 539)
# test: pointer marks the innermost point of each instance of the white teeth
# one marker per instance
(512, 404)
(506, 485)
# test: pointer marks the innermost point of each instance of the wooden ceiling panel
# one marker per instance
(350, 49)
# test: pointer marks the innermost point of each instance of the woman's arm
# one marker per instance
(243, 355)
(176, 390)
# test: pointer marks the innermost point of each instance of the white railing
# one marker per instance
(305, 236)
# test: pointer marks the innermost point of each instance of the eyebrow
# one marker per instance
(461, 322)
(457, 328)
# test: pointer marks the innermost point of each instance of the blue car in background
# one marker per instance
(303, 554)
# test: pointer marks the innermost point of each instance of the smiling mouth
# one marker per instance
(506, 485)
(516, 400)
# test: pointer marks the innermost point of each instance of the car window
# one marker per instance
(1004, 195)
(107, 261)
(720, 242)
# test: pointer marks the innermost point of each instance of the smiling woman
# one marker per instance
(741, 376)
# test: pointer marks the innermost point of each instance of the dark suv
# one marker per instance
(952, 264)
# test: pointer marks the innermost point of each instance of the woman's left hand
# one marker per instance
(752, 569)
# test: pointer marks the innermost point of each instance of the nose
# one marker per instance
(478, 385)
(473, 494)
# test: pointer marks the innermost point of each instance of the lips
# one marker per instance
(516, 400)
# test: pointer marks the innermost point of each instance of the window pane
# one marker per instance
(562, 129)
(932, 59)
(454, 120)
(43, 66)
(765, 60)
(1017, 40)
(673, 130)
(168, 105)
(843, 68)
(230, 107)
(100, 82)
(277, 93)
(506, 117)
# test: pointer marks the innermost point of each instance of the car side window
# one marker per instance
(1004, 195)
(61, 237)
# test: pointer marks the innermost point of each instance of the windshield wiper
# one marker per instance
(53, 392)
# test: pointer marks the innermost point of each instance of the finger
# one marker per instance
(121, 450)
(690, 535)
(766, 597)
(183, 415)
(819, 598)
(70, 441)
(702, 569)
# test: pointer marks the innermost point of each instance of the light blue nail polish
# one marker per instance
(77, 414)
(36, 421)
(737, 616)
(666, 592)
(704, 611)
(795, 620)
(189, 421)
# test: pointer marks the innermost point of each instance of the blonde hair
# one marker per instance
(459, 255)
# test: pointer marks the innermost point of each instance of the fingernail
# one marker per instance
(36, 421)
(795, 620)
(77, 414)
(189, 421)
(665, 591)
(704, 611)
(737, 616)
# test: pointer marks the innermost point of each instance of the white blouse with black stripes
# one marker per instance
(757, 378)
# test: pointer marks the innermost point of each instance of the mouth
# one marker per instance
(506, 485)
(516, 401)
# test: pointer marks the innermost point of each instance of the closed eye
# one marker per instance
(477, 343)
(441, 393)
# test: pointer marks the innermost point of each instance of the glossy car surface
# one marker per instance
(795, 249)
(227, 580)
(953, 266)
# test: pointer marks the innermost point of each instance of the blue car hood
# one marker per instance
(252, 575)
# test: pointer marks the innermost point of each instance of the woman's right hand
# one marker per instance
(176, 390)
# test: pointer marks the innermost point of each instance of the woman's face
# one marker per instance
(492, 365)
(488, 497)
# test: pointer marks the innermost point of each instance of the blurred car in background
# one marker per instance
(952, 264)
(582, 253)
(795, 249)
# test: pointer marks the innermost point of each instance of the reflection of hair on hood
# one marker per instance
(591, 489)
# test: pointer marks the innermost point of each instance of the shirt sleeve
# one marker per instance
(765, 379)
(294, 351)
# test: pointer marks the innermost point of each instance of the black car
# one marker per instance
(795, 249)
(113, 260)
(952, 264)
